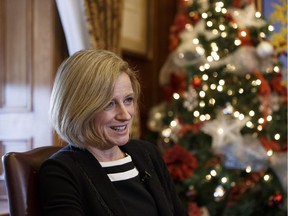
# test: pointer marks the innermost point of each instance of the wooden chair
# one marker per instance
(21, 178)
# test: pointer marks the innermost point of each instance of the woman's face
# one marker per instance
(115, 120)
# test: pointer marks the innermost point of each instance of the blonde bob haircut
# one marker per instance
(84, 86)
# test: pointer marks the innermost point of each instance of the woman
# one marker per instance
(101, 171)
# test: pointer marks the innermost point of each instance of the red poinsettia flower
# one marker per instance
(180, 162)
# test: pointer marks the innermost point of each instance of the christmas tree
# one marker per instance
(222, 125)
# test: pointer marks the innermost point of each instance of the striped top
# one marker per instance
(135, 196)
(121, 169)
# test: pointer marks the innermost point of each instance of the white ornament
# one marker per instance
(264, 49)
(224, 129)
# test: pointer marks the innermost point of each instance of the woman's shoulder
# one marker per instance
(65, 154)
(66, 160)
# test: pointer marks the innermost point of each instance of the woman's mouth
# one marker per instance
(119, 128)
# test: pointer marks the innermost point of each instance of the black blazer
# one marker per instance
(72, 182)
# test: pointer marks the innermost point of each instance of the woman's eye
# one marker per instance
(129, 100)
(110, 105)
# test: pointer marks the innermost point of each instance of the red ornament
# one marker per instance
(196, 82)
(275, 200)
(195, 18)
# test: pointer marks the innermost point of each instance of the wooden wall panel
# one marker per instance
(16, 70)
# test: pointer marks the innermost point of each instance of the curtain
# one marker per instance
(91, 24)
(104, 21)
(73, 21)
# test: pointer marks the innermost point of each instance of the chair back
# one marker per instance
(21, 178)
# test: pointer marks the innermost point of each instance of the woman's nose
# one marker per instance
(122, 112)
